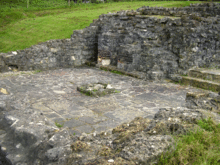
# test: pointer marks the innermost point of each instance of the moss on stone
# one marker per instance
(79, 146)
(126, 131)
(105, 151)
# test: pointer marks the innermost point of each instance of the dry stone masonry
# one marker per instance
(45, 120)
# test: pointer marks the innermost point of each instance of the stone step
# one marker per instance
(206, 74)
(200, 83)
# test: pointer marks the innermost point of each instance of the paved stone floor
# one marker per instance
(54, 94)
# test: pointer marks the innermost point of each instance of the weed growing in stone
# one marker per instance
(198, 147)
(116, 91)
(117, 72)
(37, 71)
(86, 93)
(112, 71)
(58, 124)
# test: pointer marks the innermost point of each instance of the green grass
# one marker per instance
(21, 28)
(199, 147)
(113, 71)
(117, 72)
(58, 124)
(37, 71)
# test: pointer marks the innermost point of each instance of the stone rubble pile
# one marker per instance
(141, 141)
(204, 100)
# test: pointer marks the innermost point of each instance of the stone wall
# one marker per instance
(173, 41)
(53, 54)
(139, 42)
(47, 55)
(204, 10)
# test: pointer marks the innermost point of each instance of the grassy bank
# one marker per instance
(201, 147)
(21, 28)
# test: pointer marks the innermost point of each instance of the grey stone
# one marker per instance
(87, 119)
(2, 106)
(203, 100)
(73, 123)
(85, 128)
(54, 154)
(51, 115)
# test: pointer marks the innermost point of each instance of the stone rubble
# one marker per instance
(208, 101)
(141, 141)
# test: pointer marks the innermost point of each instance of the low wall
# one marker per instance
(53, 54)
(134, 41)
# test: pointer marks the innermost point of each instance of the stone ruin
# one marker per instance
(159, 42)
(150, 43)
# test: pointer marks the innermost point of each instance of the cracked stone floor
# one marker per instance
(54, 94)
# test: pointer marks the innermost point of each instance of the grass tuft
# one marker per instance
(117, 72)
(37, 71)
(58, 124)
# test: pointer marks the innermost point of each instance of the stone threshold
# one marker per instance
(206, 74)
(200, 83)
